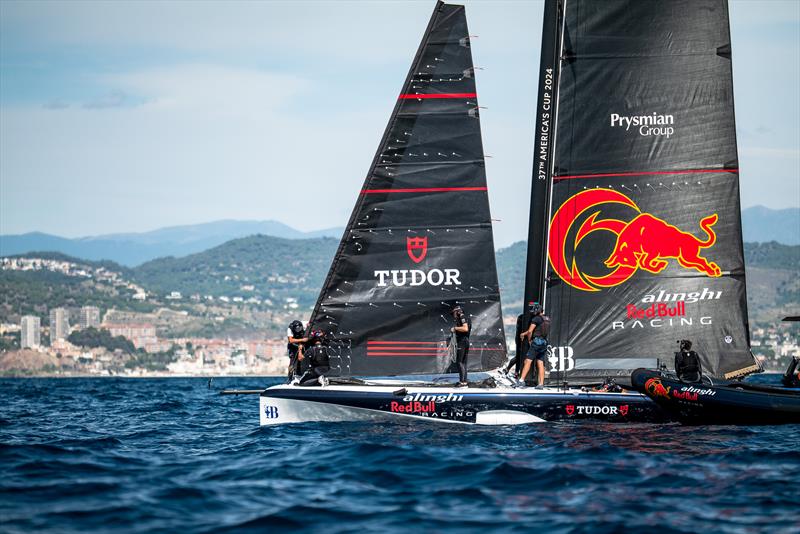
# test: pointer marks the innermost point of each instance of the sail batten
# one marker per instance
(419, 240)
(643, 243)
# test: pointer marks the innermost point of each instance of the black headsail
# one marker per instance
(419, 240)
(644, 244)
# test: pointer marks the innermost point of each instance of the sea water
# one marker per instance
(149, 455)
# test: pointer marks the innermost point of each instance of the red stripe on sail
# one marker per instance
(643, 173)
(375, 342)
(422, 190)
(417, 354)
(404, 349)
(406, 96)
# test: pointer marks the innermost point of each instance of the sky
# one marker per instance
(131, 116)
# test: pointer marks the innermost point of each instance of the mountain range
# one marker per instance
(759, 225)
(136, 248)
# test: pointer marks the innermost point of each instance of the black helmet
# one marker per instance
(316, 335)
(297, 328)
(536, 308)
(685, 344)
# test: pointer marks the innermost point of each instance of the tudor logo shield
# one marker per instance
(417, 248)
(623, 410)
(570, 409)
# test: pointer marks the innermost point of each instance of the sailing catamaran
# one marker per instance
(635, 154)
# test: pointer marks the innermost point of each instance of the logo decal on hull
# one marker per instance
(596, 410)
(271, 412)
(655, 388)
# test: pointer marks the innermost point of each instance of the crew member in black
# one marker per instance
(791, 378)
(315, 361)
(537, 336)
(687, 362)
(295, 337)
(461, 330)
(521, 346)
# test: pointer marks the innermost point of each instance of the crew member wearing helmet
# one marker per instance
(461, 330)
(537, 337)
(295, 335)
(316, 361)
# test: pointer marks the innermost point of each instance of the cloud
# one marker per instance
(210, 89)
(112, 99)
(56, 104)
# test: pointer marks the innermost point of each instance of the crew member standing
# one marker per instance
(537, 336)
(295, 337)
(687, 362)
(461, 330)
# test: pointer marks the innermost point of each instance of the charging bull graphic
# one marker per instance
(645, 242)
(655, 388)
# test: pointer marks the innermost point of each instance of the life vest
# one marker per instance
(687, 366)
(542, 329)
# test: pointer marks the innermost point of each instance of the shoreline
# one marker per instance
(175, 375)
(153, 375)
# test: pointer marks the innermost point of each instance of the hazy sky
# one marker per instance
(129, 116)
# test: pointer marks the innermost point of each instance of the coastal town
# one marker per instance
(168, 334)
(59, 349)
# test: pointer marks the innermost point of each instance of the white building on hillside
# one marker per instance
(30, 336)
(59, 324)
(90, 317)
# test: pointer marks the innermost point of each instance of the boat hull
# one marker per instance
(729, 404)
(482, 406)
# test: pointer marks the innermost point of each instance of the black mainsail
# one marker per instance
(419, 240)
(636, 188)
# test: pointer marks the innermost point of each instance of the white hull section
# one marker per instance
(477, 406)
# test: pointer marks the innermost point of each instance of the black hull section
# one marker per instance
(729, 404)
(468, 405)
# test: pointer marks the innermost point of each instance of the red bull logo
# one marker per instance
(655, 388)
(645, 242)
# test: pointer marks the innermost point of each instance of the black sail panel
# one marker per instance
(419, 240)
(644, 241)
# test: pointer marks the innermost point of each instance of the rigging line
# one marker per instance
(559, 377)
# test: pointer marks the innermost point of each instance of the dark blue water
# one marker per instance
(140, 455)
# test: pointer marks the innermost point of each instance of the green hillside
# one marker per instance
(258, 266)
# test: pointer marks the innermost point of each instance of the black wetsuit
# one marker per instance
(521, 344)
(687, 366)
(462, 348)
(316, 364)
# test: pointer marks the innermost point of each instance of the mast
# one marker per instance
(644, 241)
(419, 240)
(549, 67)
